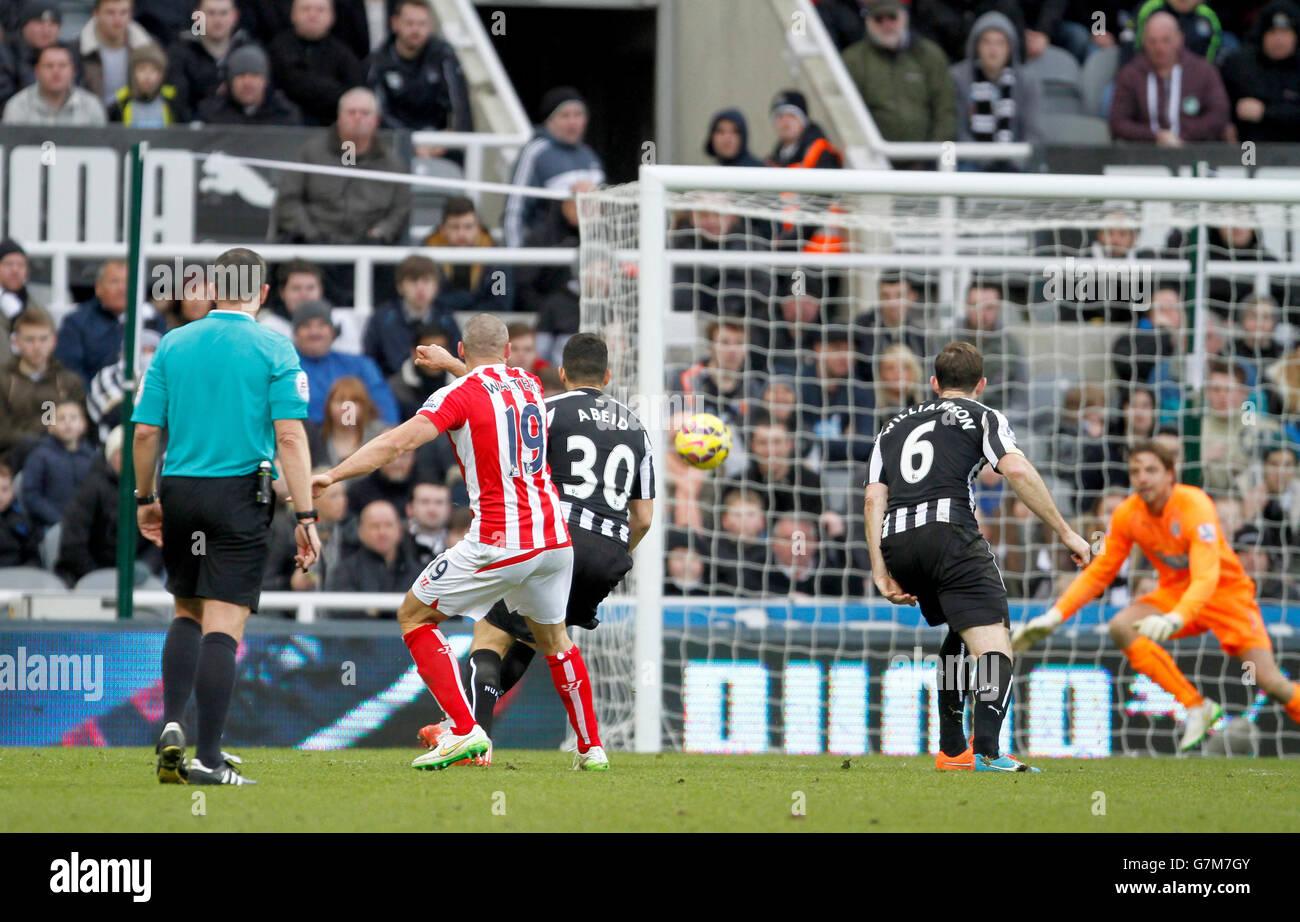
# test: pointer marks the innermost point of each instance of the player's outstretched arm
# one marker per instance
(1028, 485)
(380, 450)
(873, 511)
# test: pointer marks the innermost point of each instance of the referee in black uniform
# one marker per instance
(926, 545)
(231, 395)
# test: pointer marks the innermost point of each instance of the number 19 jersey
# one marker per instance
(600, 458)
(496, 420)
(929, 455)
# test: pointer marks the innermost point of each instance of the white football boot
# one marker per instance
(1198, 723)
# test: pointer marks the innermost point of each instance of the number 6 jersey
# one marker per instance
(928, 456)
(600, 458)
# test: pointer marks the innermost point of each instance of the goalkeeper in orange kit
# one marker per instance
(1202, 587)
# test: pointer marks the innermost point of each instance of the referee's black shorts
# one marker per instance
(951, 571)
(599, 565)
(215, 537)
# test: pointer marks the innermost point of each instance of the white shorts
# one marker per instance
(469, 578)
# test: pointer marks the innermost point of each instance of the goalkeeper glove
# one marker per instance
(1034, 630)
(1160, 627)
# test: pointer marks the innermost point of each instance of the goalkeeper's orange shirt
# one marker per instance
(1185, 545)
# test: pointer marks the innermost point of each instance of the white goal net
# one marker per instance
(805, 319)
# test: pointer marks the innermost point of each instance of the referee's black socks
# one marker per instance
(180, 660)
(213, 686)
(952, 694)
(992, 691)
(483, 686)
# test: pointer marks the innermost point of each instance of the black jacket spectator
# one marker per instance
(19, 544)
(88, 539)
(274, 110)
(800, 491)
(1251, 73)
(427, 92)
(51, 475)
(411, 387)
(314, 74)
(843, 20)
(737, 118)
(390, 329)
(1238, 245)
(551, 291)
(90, 337)
(948, 22)
(192, 69)
(365, 490)
(365, 571)
(266, 19)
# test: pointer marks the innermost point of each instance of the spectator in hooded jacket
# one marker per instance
(196, 62)
(800, 142)
(997, 99)
(555, 158)
(728, 141)
(1197, 112)
(470, 286)
(147, 102)
(416, 75)
(313, 67)
(56, 466)
(249, 98)
(903, 77)
(1263, 77)
(106, 43)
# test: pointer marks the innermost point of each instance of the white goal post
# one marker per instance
(881, 215)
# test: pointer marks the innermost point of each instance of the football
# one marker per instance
(704, 441)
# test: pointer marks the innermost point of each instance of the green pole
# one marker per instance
(126, 526)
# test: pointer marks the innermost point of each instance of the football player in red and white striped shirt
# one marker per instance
(518, 546)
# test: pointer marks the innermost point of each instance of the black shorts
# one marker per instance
(599, 565)
(215, 538)
(952, 572)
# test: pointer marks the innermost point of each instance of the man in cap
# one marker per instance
(555, 158)
(313, 336)
(38, 28)
(800, 142)
(249, 98)
(903, 77)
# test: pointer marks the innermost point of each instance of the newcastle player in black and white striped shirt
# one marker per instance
(600, 459)
(926, 545)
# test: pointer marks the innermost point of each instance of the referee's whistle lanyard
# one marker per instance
(1175, 100)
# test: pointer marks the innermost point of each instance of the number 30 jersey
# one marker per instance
(600, 457)
(929, 455)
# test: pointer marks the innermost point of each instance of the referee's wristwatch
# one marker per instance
(146, 500)
(307, 517)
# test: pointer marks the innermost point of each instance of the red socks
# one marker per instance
(569, 673)
(436, 665)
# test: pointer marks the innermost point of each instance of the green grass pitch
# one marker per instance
(113, 790)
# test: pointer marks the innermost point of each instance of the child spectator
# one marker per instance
(523, 349)
(147, 102)
(56, 466)
(106, 43)
(728, 141)
(685, 568)
(412, 383)
(88, 538)
(19, 545)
